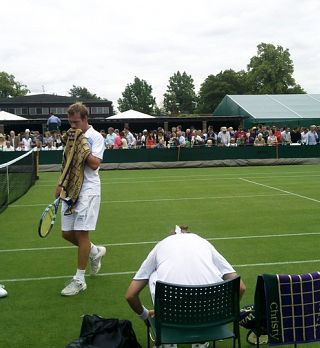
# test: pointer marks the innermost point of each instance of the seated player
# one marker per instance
(182, 258)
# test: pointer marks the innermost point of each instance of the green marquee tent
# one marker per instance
(279, 109)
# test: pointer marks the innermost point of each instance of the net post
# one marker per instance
(8, 185)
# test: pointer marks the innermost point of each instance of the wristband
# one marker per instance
(145, 314)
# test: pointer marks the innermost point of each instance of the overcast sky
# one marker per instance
(102, 45)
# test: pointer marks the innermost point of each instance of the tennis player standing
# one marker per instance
(76, 227)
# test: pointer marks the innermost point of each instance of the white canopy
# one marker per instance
(129, 114)
(6, 116)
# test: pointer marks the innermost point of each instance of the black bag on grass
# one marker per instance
(98, 332)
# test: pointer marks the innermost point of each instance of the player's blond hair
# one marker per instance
(78, 108)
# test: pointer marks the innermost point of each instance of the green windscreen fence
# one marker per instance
(16, 177)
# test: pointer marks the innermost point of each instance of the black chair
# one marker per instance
(192, 314)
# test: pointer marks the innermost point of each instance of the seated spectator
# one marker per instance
(50, 146)
(188, 135)
(259, 141)
(182, 258)
(47, 137)
(103, 133)
(160, 134)
(181, 138)
(117, 140)
(277, 133)
(2, 142)
(272, 139)
(312, 136)
(233, 142)
(109, 139)
(265, 132)
(150, 141)
(224, 137)
(144, 137)
(212, 135)
(14, 139)
(174, 141)
(131, 140)
(251, 135)
(27, 140)
(304, 136)
(241, 140)
(286, 136)
(231, 132)
(38, 146)
(197, 139)
(295, 136)
(8, 147)
(209, 143)
(160, 145)
(240, 133)
(57, 142)
(21, 147)
(124, 142)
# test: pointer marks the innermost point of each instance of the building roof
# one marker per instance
(130, 114)
(7, 116)
(264, 108)
(46, 98)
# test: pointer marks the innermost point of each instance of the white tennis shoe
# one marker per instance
(95, 261)
(3, 292)
(74, 287)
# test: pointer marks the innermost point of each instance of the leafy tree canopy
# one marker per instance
(215, 87)
(180, 95)
(271, 70)
(137, 96)
(11, 88)
(82, 93)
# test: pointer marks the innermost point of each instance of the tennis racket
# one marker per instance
(48, 218)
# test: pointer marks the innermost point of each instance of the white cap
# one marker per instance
(27, 130)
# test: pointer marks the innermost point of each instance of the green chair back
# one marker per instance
(184, 307)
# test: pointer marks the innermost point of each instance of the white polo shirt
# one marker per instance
(91, 182)
(184, 259)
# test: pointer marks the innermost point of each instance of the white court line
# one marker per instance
(208, 178)
(236, 175)
(160, 200)
(277, 189)
(156, 241)
(262, 264)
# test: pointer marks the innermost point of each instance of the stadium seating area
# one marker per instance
(260, 135)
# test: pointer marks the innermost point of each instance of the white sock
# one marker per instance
(80, 275)
(94, 250)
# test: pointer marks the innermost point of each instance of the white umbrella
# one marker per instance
(6, 116)
(129, 114)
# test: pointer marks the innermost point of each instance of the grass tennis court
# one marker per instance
(262, 219)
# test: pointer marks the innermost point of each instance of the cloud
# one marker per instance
(103, 45)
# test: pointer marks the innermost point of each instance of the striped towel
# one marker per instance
(75, 154)
(291, 305)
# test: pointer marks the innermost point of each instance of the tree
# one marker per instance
(11, 88)
(180, 96)
(215, 87)
(270, 71)
(137, 96)
(82, 93)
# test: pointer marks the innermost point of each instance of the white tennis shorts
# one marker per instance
(85, 215)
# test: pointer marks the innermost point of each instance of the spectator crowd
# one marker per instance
(260, 135)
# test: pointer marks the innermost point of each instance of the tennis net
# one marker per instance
(16, 177)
